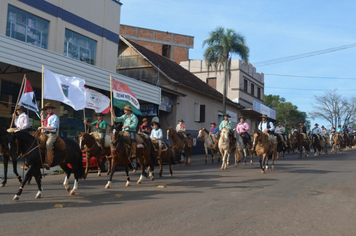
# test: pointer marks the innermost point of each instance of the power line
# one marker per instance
(313, 77)
(304, 89)
(301, 56)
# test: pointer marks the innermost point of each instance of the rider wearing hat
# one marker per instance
(180, 128)
(101, 127)
(22, 122)
(317, 131)
(214, 130)
(50, 127)
(302, 128)
(226, 122)
(281, 130)
(145, 128)
(243, 128)
(157, 134)
(130, 124)
(266, 125)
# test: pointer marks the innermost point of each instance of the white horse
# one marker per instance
(224, 146)
(208, 145)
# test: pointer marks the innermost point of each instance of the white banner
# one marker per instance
(97, 101)
(69, 90)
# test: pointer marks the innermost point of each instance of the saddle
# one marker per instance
(139, 139)
(97, 137)
(155, 144)
(184, 138)
(304, 137)
(59, 144)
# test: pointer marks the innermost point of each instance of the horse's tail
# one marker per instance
(80, 167)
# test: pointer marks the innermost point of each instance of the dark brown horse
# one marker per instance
(121, 153)
(179, 145)
(93, 149)
(6, 156)
(165, 153)
(302, 142)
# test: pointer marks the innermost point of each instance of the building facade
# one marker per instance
(171, 45)
(74, 38)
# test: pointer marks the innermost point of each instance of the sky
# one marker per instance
(273, 30)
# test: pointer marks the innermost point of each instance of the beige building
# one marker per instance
(75, 38)
(246, 87)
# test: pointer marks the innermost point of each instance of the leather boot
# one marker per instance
(159, 152)
(133, 146)
(48, 163)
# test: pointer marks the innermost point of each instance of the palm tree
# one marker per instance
(222, 44)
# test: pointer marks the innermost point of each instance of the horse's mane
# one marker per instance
(206, 131)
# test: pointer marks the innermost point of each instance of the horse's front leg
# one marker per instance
(99, 164)
(24, 181)
(223, 161)
(39, 184)
(5, 161)
(14, 167)
(113, 164)
(87, 165)
(108, 159)
(143, 171)
(206, 153)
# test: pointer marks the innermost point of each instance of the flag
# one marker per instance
(97, 101)
(28, 98)
(69, 90)
(124, 96)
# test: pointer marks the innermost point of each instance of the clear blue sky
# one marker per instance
(273, 29)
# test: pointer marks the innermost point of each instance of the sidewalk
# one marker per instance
(10, 173)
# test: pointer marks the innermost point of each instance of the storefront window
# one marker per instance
(27, 27)
(79, 47)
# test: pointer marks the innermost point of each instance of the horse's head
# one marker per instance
(83, 139)
(225, 133)
(12, 144)
(170, 132)
(202, 133)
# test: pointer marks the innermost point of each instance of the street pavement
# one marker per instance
(314, 196)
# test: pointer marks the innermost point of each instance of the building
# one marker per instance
(171, 45)
(246, 87)
(74, 38)
(184, 96)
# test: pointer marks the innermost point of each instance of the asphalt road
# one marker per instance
(314, 196)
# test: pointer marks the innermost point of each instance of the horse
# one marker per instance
(337, 141)
(179, 145)
(265, 148)
(29, 147)
(120, 148)
(292, 143)
(224, 146)
(281, 146)
(92, 148)
(316, 145)
(209, 144)
(301, 142)
(324, 146)
(6, 155)
(242, 148)
(165, 153)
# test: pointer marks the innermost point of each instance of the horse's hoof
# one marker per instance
(107, 173)
(272, 168)
(235, 165)
(3, 185)
(38, 195)
(17, 197)
(225, 167)
(134, 170)
(72, 192)
(251, 162)
(99, 174)
(262, 171)
(266, 167)
(139, 182)
(152, 178)
(228, 164)
(67, 188)
(221, 168)
(107, 186)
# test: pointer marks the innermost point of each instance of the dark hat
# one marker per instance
(227, 115)
(279, 123)
(322, 126)
(144, 119)
(264, 116)
(181, 120)
(128, 107)
(242, 117)
(316, 124)
(19, 108)
(213, 123)
(48, 105)
(99, 114)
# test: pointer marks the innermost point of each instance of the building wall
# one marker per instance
(154, 40)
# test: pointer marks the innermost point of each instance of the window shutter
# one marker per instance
(196, 112)
(202, 113)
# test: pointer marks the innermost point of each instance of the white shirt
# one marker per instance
(53, 121)
(324, 132)
(22, 122)
(180, 128)
(293, 130)
(316, 130)
(263, 126)
(280, 130)
(156, 133)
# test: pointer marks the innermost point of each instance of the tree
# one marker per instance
(334, 108)
(221, 45)
(286, 113)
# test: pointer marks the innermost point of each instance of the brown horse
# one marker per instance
(337, 142)
(292, 142)
(209, 144)
(121, 152)
(165, 153)
(92, 148)
(302, 142)
(179, 145)
(265, 148)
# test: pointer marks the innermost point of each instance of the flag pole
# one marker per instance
(85, 126)
(18, 98)
(42, 99)
(112, 121)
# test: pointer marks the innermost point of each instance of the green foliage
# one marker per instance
(286, 113)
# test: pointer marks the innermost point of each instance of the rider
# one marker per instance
(316, 130)
(145, 128)
(101, 127)
(130, 124)
(281, 130)
(50, 127)
(157, 134)
(226, 122)
(267, 126)
(293, 129)
(180, 128)
(214, 132)
(22, 122)
(243, 128)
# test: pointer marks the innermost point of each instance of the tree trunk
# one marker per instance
(225, 85)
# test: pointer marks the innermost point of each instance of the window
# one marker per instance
(79, 47)
(27, 27)
(259, 93)
(245, 85)
(166, 50)
(199, 112)
(252, 89)
(211, 82)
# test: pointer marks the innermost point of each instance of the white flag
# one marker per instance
(28, 98)
(97, 101)
(69, 90)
